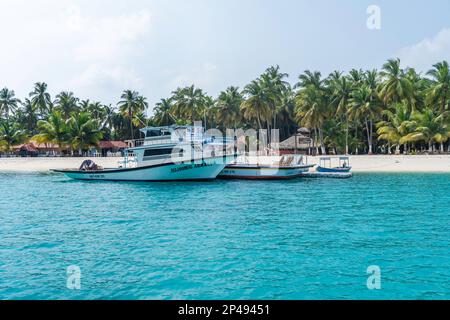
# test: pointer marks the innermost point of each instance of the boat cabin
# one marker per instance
(171, 144)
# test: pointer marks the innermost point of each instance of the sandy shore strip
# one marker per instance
(401, 163)
(376, 163)
(46, 164)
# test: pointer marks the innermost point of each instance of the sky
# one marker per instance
(97, 48)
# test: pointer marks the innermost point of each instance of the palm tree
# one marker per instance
(429, 127)
(40, 98)
(8, 102)
(396, 85)
(28, 114)
(66, 103)
(440, 85)
(357, 77)
(285, 112)
(188, 103)
(53, 130)
(209, 111)
(83, 132)
(311, 111)
(395, 127)
(310, 79)
(334, 133)
(419, 87)
(84, 105)
(120, 126)
(163, 113)
(363, 106)
(97, 110)
(372, 79)
(255, 105)
(340, 95)
(312, 104)
(273, 83)
(129, 106)
(10, 134)
(228, 107)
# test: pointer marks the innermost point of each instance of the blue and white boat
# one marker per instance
(326, 165)
(165, 154)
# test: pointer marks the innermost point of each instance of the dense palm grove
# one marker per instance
(392, 110)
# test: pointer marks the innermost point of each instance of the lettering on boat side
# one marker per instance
(73, 278)
(96, 176)
(189, 167)
(225, 310)
(374, 279)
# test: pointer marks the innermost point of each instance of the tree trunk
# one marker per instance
(430, 147)
(315, 141)
(322, 145)
(397, 149)
(369, 138)
(131, 123)
(259, 122)
(346, 137)
(442, 147)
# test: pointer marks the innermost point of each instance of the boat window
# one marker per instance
(157, 152)
(157, 133)
(153, 133)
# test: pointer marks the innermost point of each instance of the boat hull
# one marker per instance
(254, 172)
(206, 169)
(333, 170)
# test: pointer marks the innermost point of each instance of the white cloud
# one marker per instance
(107, 37)
(106, 46)
(203, 76)
(96, 75)
(79, 48)
(427, 52)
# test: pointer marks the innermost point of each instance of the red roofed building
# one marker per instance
(109, 148)
(33, 149)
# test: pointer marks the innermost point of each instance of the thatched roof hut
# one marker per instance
(297, 143)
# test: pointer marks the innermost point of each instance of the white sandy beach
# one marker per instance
(375, 163)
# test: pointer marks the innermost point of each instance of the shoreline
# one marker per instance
(360, 163)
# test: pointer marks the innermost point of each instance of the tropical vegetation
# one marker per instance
(391, 110)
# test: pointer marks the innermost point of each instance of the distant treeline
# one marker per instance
(364, 111)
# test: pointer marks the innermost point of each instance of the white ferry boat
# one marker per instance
(165, 154)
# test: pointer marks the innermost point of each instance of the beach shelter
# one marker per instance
(28, 150)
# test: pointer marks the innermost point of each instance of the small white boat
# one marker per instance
(166, 154)
(287, 168)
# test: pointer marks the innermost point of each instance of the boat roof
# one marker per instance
(329, 158)
(166, 128)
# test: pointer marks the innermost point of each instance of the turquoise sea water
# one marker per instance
(301, 239)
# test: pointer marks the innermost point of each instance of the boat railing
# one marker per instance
(145, 142)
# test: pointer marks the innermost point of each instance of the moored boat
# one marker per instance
(326, 165)
(287, 168)
(165, 154)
